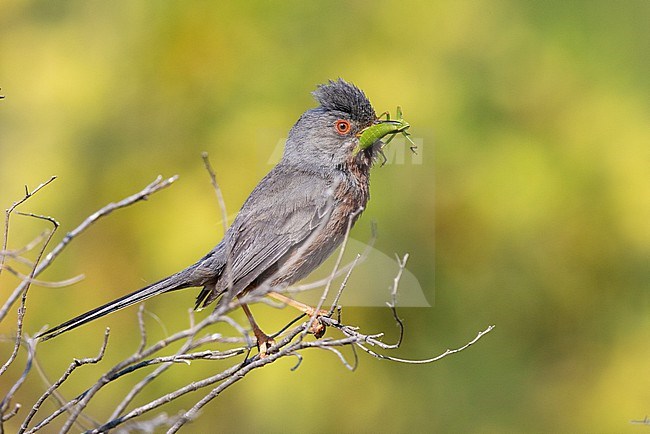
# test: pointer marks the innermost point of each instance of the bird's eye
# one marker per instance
(342, 126)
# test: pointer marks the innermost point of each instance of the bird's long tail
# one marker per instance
(171, 283)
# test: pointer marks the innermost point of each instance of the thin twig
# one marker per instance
(432, 359)
(23, 303)
(28, 194)
(337, 264)
(4, 404)
(343, 285)
(44, 283)
(76, 363)
(217, 190)
(392, 304)
(227, 274)
(16, 254)
(142, 328)
(167, 362)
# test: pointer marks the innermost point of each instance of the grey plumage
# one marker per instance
(295, 217)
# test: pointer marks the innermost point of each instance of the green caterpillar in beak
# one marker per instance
(382, 128)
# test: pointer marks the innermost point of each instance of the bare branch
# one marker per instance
(76, 363)
(326, 291)
(343, 285)
(143, 194)
(23, 302)
(373, 341)
(37, 266)
(4, 404)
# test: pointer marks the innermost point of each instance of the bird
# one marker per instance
(294, 219)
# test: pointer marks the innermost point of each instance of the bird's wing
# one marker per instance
(291, 208)
(281, 213)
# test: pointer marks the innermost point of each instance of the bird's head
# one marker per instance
(343, 129)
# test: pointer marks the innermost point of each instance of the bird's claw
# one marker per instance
(264, 343)
(317, 328)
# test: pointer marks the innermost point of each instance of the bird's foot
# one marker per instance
(317, 327)
(264, 342)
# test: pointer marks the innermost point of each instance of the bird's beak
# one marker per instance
(380, 129)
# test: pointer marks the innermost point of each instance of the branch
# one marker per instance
(76, 363)
(158, 184)
(23, 302)
(37, 267)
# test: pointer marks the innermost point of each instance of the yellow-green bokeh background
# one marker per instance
(530, 210)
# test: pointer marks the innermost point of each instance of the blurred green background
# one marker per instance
(529, 208)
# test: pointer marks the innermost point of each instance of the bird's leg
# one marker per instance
(264, 341)
(302, 307)
(317, 327)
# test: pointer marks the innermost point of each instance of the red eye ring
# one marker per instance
(342, 126)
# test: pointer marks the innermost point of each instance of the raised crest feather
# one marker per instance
(339, 95)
